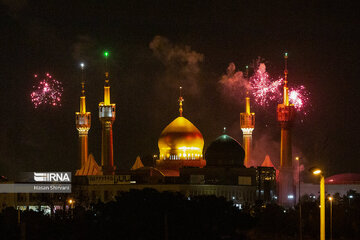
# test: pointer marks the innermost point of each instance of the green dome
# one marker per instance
(225, 151)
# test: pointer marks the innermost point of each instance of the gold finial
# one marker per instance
(247, 104)
(106, 78)
(107, 85)
(82, 98)
(224, 130)
(285, 70)
(181, 99)
(82, 65)
(106, 54)
(286, 89)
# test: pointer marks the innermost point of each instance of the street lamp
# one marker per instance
(300, 221)
(71, 203)
(317, 171)
(331, 200)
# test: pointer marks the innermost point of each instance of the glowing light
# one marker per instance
(82, 65)
(189, 148)
(47, 92)
(106, 53)
(247, 131)
(316, 172)
(290, 196)
(330, 198)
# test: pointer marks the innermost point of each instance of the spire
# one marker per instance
(107, 85)
(247, 106)
(247, 98)
(246, 71)
(286, 89)
(82, 98)
(181, 99)
(82, 65)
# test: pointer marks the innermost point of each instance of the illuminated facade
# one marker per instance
(107, 118)
(247, 125)
(286, 116)
(83, 124)
(180, 144)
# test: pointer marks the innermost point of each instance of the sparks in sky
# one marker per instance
(47, 91)
(298, 97)
(263, 88)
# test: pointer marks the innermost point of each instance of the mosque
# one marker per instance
(224, 169)
(180, 166)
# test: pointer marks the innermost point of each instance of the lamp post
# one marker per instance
(317, 171)
(331, 200)
(300, 218)
(71, 203)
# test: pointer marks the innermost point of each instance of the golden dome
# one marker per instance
(181, 140)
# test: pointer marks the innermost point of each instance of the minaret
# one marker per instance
(107, 118)
(83, 124)
(286, 116)
(247, 125)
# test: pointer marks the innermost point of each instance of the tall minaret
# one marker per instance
(286, 116)
(107, 118)
(83, 123)
(247, 125)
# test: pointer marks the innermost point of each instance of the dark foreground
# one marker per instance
(148, 214)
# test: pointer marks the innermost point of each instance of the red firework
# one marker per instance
(47, 91)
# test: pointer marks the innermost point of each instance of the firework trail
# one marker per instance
(48, 91)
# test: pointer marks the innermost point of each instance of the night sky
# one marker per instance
(156, 46)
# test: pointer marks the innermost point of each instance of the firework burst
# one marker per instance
(47, 91)
(263, 88)
(299, 97)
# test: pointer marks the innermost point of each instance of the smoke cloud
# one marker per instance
(181, 62)
(263, 146)
(262, 68)
(83, 47)
(234, 84)
(15, 6)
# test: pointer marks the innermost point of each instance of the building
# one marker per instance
(224, 176)
(180, 145)
(107, 118)
(286, 117)
(339, 183)
(87, 163)
(247, 125)
(181, 165)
